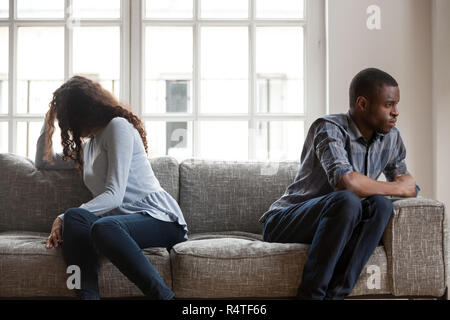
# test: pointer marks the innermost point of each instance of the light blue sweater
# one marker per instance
(118, 174)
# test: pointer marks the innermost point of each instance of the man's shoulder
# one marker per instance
(338, 122)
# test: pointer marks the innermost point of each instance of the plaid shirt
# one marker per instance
(334, 147)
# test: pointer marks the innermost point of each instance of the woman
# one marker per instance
(107, 144)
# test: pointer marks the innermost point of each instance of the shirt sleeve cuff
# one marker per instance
(338, 173)
(417, 190)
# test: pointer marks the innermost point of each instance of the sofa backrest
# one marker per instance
(230, 195)
(30, 199)
(213, 195)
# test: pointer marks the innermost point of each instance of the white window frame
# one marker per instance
(314, 63)
(14, 23)
(132, 64)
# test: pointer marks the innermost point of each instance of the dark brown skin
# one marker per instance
(379, 115)
(55, 237)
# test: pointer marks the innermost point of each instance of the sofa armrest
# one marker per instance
(417, 249)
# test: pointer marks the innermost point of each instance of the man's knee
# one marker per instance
(348, 197)
(381, 201)
(347, 205)
(269, 225)
(381, 205)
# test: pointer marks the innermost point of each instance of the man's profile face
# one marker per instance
(382, 113)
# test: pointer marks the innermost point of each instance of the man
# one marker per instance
(336, 203)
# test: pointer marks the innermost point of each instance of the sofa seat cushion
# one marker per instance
(240, 265)
(28, 269)
(235, 266)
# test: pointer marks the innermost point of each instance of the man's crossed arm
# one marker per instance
(404, 185)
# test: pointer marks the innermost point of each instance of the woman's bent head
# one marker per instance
(81, 105)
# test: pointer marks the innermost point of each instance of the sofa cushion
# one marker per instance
(28, 269)
(227, 196)
(236, 268)
(31, 199)
(166, 170)
(241, 266)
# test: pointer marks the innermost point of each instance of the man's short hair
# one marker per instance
(367, 82)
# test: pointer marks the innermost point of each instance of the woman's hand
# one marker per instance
(55, 237)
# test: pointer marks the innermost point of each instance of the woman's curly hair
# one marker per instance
(80, 105)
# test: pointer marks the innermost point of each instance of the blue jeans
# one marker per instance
(120, 239)
(343, 231)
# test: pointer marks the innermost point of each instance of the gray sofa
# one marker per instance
(225, 256)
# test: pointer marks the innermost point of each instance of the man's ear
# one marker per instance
(362, 103)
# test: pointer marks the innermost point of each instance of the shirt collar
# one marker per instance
(358, 135)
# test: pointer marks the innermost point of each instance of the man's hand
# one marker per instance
(406, 184)
(55, 237)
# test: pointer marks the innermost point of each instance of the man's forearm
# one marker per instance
(364, 186)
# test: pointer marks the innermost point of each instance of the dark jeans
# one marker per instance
(343, 231)
(120, 239)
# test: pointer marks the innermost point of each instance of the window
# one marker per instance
(231, 80)
(45, 42)
(224, 79)
(4, 8)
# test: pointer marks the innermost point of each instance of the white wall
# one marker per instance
(402, 47)
(441, 103)
(441, 97)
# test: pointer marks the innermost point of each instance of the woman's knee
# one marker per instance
(381, 201)
(102, 227)
(75, 234)
(74, 217)
(71, 213)
(76, 214)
